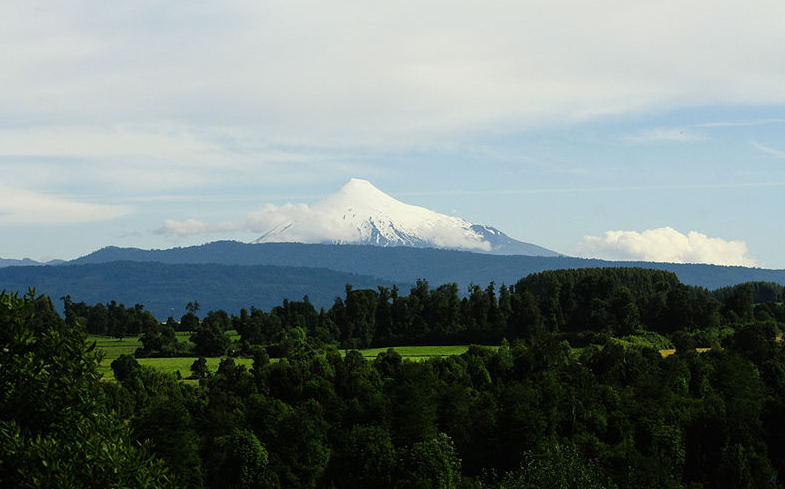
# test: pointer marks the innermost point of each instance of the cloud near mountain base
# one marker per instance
(305, 224)
(665, 245)
(268, 217)
(261, 220)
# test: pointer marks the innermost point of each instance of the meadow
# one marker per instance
(416, 352)
(112, 348)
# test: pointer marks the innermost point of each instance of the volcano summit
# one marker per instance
(359, 213)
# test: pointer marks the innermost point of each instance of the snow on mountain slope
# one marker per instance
(359, 213)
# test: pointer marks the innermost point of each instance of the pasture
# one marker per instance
(671, 351)
(172, 365)
(416, 352)
(112, 348)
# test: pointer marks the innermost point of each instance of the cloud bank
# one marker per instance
(20, 206)
(382, 73)
(318, 224)
(665, 245)
(261, 220)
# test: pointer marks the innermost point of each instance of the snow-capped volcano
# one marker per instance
(359, 213)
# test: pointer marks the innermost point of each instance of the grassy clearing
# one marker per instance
(425, 352)
(173, 365)
(417, 352)
(112, 348)
(183, 364)
(671, 351)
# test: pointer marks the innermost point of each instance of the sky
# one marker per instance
(616, 129)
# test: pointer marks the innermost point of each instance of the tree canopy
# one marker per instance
(572, 392)
(55, 429)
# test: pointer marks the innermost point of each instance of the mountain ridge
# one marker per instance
(408, 264)
(164, 289)
(26, 262)
(229, 274)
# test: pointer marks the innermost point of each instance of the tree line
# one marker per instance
(577, 305)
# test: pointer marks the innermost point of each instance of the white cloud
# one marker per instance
(665, 245)
(268, 217)
(771, 151)
(677, 135)
(137, 160)
(316, 224)
(261, 220)
(382, 73)
(163, 140)
(191, 227)
(751, 123)
(20, 206)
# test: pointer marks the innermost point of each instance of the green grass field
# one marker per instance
(417, 352)
(112, 348)
(172, 365)
(672, 351)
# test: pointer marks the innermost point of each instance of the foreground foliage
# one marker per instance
(55, 430)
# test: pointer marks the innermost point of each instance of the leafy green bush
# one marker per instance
(55, 431)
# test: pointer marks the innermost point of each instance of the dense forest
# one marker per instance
(581, 306)
(573, 391)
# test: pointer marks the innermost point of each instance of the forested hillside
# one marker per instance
(573, 393)
(405, 265)
(165, 288)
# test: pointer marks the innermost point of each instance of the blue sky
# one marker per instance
(612, 129)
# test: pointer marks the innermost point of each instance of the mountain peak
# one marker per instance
(360, 213)
(359, 191)
(355, 184)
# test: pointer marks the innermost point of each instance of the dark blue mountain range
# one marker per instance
(229, 275)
